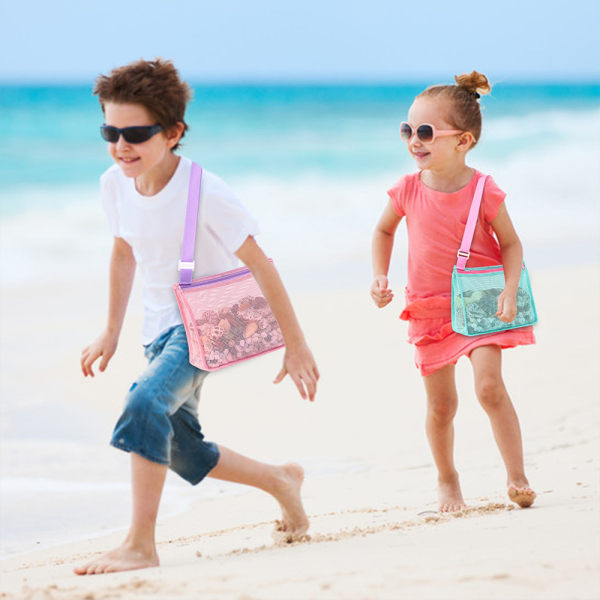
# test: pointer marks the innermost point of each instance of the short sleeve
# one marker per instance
(493, 197)
(108, 196)
(224, 215)
(397, 195)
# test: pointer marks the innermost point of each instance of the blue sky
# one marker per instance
(279, 40)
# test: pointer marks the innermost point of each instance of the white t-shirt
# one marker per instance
(153, 227)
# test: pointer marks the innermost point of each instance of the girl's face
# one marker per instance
(136, 159)
(446, 150)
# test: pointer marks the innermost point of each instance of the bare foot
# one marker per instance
(449, 496)
(123, 558)
(294, 523)
(521, 495)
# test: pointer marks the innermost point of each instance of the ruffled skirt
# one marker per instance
(437, 345)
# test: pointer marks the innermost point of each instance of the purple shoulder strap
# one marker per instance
(465, 246)
(186, 264)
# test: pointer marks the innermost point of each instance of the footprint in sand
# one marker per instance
(281, 535)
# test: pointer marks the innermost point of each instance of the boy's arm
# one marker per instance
(122, 271)
(512, 260)
(383, 243)
(298, 361)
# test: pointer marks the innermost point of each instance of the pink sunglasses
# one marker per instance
(425, 132)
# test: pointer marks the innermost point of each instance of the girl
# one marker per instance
(444, 123)
(145, 195)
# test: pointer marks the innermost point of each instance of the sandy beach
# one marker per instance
(370, 482)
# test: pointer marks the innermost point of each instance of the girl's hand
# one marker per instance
(104, 346)
(300, 365)
(380, 293)
(507, 306)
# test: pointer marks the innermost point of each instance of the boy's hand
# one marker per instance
(300, 365)
(507, 306)
(380, 293)
(104, 346)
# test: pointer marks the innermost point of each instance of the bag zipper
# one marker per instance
(479, 270)
(211, 279)
(476, 270)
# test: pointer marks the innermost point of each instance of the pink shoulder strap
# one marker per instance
(465, 246)
(186, 264)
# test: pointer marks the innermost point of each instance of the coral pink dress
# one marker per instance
(435, 222)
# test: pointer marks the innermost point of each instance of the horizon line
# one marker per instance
(317, 82)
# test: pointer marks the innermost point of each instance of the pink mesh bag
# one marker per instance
(226, 317)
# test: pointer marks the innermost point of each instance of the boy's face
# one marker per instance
(136, 159)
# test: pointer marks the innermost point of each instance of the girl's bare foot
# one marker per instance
(522, 495)
(450, 496)
(124, 558)
(294, 523)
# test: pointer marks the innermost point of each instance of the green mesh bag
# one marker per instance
(475, 301)
(475, 291)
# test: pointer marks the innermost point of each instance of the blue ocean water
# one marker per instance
(312, 162)
(291, 152)
(51, 138)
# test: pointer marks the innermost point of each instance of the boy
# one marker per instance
(145, 196)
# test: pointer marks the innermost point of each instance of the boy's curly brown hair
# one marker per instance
(155, 84)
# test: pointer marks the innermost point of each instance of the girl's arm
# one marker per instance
(298, 361)
(383, 243)
(512, 260)
(122, 271)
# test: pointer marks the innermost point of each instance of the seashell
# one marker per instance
(224, 324)
(210, 316)
(251, 329)
(246, 303)
(251, 315)
(259, 302)
(206, 343)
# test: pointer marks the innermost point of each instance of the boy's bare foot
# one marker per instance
(124, 558)
(521, 495)
(294, 523)
(450, 496)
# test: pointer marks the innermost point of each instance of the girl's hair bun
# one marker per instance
(474, 82)
(465, 112)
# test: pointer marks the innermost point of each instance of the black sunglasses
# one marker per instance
(132, 135)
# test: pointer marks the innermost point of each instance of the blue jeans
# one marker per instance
(159, 421)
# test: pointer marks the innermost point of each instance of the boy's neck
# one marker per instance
(152, 182)
(449, 179)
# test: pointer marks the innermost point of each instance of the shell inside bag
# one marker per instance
(231, 322)
(475, 298)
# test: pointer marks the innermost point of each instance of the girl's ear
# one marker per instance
(466, 141)
(174, 134)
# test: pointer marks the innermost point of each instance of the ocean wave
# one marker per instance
(313, 221)
(561, 124)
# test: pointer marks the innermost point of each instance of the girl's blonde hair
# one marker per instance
(466, 113)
